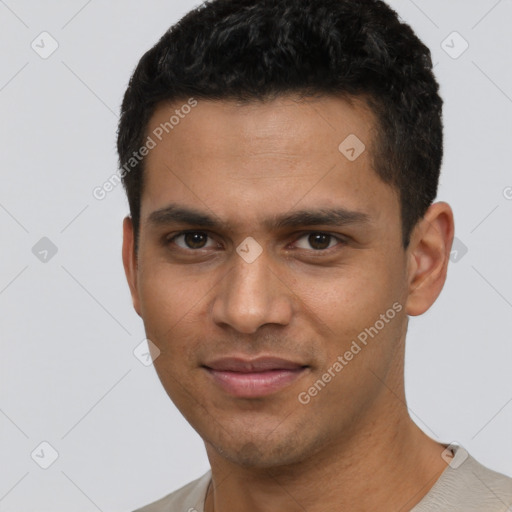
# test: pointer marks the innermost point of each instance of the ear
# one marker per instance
(428, 257)
(130, 261)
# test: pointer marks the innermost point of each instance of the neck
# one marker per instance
(387, 463)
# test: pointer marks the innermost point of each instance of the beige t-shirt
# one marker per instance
(464, 486)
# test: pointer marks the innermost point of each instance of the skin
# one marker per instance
(353, 446)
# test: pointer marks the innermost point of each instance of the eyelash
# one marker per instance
(340, 240)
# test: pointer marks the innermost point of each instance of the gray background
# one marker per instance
(68, 331)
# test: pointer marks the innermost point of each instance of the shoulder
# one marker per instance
(189, 498)
(467, 486)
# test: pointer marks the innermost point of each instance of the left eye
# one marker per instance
(317, 241)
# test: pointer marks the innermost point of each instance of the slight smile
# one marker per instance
(244, 378)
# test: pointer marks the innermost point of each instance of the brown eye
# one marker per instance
(319, 241)
(192, 240)
(195, 240)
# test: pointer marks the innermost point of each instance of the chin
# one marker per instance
(260, 452)
(254, 456)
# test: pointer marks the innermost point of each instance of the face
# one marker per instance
(266, 256)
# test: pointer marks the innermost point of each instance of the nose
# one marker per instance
(252, 295)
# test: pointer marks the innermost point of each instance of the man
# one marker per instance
(281, 159)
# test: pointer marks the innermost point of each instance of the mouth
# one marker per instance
(246, 378)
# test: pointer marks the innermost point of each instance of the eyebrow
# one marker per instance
(177, 214)
(173, 214)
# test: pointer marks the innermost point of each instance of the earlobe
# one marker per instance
(130, 261)
(429, 254)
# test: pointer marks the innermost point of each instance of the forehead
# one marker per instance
(236, 159)
(286, 125)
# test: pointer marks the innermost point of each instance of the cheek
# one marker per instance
(170, 292)
(171, 306)
(347, 312)
(351, 298)
(171, 313)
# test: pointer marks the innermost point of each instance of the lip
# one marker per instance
(252, 378)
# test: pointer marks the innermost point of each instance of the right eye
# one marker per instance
(192, 240)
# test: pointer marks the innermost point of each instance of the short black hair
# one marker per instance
(248, 50)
